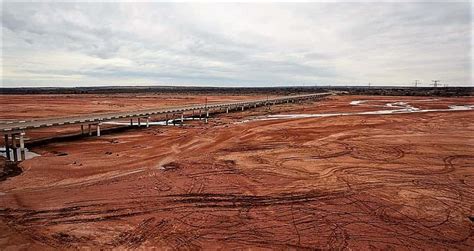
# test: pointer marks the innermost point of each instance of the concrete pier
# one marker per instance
(90, 131)
(14, 148)
(148, 122)
(227, 110)
(166, 119)
(131, 122)
(139, 122)
(207, 115)
(98, 130)
(182, 119)
(22, 147)
(242, 108)
(7, 147)
(82, 129)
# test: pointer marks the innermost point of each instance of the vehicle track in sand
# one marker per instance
(315, 183)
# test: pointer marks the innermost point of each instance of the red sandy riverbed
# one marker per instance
(402, 181)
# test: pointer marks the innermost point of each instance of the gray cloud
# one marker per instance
(65, 44)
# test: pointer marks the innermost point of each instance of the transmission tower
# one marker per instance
(435, 83)
(417, 82)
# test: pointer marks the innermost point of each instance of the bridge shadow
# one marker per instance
(104, 131)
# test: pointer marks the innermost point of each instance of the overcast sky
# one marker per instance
(84, 44)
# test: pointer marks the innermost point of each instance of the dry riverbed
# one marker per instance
(399, 180)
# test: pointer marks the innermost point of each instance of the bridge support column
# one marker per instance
(82, 129)
(15, 153)
(182, 119)
(148, 122)
(131, 122)
(192, 115)
(242, 108)
(7, 147)
(139, 122)
(200, 114)
(98, 130)
(227, 110)
(22, 146)
(166, 119)
(207, 115)
(90, 131)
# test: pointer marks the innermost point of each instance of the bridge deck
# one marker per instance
(12, 127)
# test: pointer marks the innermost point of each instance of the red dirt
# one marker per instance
(401, 181)
(46, 106)
(26, 107)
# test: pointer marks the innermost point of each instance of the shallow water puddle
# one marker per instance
(28, 155)
(151, 123)
(402, 107)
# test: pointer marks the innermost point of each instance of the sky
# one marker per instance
(241, 44)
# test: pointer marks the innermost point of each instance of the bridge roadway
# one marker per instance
(16, 129)
(13, 127)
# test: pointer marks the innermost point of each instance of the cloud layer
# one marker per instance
(72, 44)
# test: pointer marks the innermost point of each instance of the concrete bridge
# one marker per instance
(14, 132)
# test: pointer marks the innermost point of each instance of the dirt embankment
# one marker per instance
(401, 181)
(8, 169)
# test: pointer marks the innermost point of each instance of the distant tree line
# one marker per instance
(353, 90)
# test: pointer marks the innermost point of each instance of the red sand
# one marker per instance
(400, 181)
(16, 107)
(26, 107)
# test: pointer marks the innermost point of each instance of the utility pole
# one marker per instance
(416, 83)
(435, 83)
